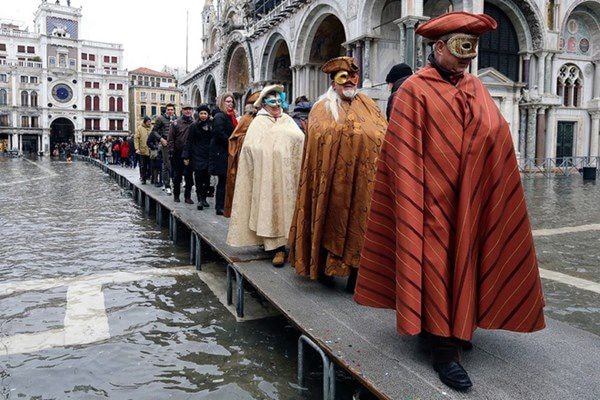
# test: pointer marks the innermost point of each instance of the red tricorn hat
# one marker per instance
(457, 22)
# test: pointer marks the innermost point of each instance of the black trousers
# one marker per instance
(220, 193)
(179, 171)
(202, 179)
(144, 167)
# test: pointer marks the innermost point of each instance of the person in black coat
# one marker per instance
(397, 75)
(224, 122)
(196, 153)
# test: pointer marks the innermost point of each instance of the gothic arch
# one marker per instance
(310, 23)
(210, 90)
(236, 71)
(196, 96)
(269, 55)
(527, 21)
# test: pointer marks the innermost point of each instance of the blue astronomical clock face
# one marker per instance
(62, 93)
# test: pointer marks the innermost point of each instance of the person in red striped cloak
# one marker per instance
(448, 242)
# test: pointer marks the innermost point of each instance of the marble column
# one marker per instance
(594, 150)
(358, 56)
(540, 139)
(522, 131)
(548, 74)
(531, 133)
(410, 41)
(550, 133)
(541, 66)
(596, 86)
(526, 65)
(367, 64)
(402, 41)
(46, 143)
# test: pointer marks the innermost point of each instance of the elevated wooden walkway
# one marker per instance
(559, 362)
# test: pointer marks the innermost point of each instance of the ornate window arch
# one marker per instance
(569, 85)
(119, 104)
(24, 98)
(88, 103)
(3, 97)
(111, 104)
(33, 99)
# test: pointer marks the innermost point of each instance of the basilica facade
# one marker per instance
(541, 66)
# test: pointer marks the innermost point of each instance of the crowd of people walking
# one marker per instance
(424, 215)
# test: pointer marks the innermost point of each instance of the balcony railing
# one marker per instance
(557, 166)
(20, 63)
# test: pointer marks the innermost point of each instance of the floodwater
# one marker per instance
(567, 201)
(169, 336)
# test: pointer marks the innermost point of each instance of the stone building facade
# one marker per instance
(542, 65)
(149, 93)
(56, 87)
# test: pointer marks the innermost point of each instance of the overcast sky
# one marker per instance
(151, 31)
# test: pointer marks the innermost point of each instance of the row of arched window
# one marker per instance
(28, 98)
(92, 103)
(569, 85)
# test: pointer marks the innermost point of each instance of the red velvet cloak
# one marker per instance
(448, 242)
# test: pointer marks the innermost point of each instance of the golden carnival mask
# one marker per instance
(342, 77)
(462, 45)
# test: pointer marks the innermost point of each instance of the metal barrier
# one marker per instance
(557, 166)
(328, 367)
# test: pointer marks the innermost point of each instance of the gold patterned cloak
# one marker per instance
(337, 178)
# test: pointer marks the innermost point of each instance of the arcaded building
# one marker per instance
(542, 64)
(56, 87)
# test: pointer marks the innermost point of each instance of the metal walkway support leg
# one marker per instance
(171, 227)
(158, 214)
(239, 280)
(192, 248)
(328, 367)
(198, 251)
(174, 225)
(147, 205)
(139, 197)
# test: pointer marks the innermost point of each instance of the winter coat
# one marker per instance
(222, 128)
(395, 88)
(197, 149)
(300, 116)
(178, 133)
(125, 149)
(141, 138)
(162, 125)
(154, 142)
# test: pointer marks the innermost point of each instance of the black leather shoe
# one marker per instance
(465, 344)
(176, 199)
(454, 375)
(205, 203)
(219, 212)
(199, 206)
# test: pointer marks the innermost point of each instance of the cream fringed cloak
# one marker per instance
(267, 182)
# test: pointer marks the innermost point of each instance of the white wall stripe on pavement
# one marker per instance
(566, 229)
(85, 322)
(570, 280)
(85, 318)
(7, 288)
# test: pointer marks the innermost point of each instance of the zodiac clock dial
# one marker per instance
(62, 93)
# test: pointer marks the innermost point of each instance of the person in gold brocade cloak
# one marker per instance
(345, 134)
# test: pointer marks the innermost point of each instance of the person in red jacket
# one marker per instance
(125, 153)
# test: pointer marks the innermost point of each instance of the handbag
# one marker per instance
(153, 154)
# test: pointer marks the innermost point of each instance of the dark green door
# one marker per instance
(564, 141)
